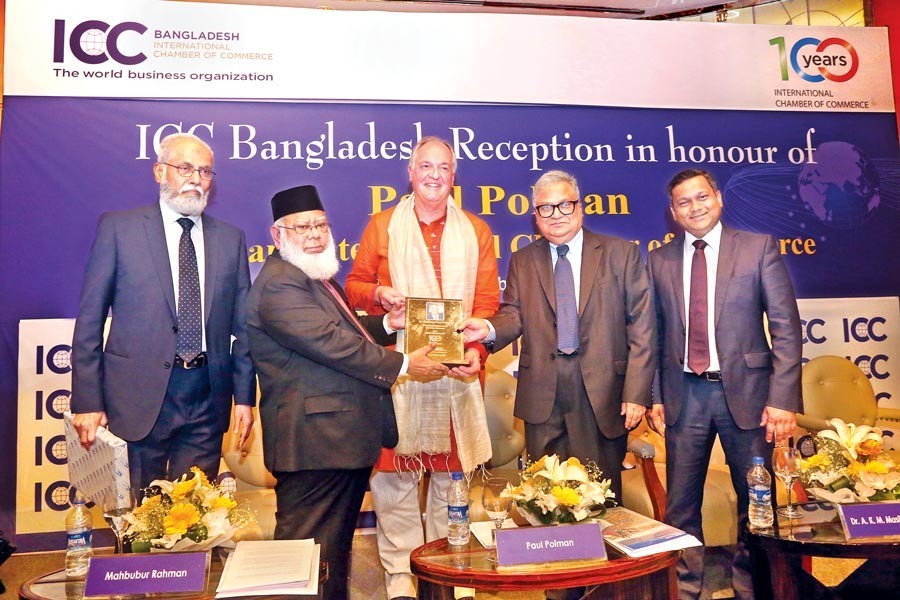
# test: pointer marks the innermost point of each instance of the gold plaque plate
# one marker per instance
(434, 321)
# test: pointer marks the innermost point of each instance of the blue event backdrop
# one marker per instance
(65, 161)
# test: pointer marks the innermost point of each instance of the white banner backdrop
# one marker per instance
(867, 332)
(152, 49)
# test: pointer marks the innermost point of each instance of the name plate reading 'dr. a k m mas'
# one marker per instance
(870, 520)
(549, 544)
(158, 572)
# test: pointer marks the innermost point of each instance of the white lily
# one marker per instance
(557, 472)
(850, 436)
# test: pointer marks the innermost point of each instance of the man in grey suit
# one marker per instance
(176, 281)
(325, 378)
(587, 359)
(718, 374)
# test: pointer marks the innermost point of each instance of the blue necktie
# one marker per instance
(566, 307)
(190, 312)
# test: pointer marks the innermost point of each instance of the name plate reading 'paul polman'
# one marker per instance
(549, 544)
(161, 572)
(870, 520)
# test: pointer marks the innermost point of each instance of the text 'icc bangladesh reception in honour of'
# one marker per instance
(434, 321)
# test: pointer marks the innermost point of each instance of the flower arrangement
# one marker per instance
(187, 514)
(850, 465)
(560, 492)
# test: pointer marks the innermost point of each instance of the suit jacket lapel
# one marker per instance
(159, 253)
(543, 264)
(211, 264)
(676, 275)
(724, 269)
(592, 252)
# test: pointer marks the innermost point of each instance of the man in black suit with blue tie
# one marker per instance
(176, 281)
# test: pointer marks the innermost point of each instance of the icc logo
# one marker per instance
(811, 332)
(95, 42)
(58, 359)
(816, 60)
(862, 329)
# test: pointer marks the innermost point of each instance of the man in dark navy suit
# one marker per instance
(176, 281)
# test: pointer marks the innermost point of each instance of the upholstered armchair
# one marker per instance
(834, 387)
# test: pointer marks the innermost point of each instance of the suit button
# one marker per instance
(681, 361)
(167, 365)
(553, 357)
(174, 328)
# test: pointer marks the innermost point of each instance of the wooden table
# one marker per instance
(440, 567)
(777, 552)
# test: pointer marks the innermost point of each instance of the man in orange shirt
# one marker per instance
(427, 247)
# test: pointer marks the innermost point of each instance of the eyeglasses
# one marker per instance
(187, 170)
(308, 229)
(565, 208)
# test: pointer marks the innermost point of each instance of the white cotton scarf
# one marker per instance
(424, 408)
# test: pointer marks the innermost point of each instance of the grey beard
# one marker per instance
(320, 266)
(183, 205)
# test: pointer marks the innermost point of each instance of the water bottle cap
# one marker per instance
(758, 460)
(456, 476)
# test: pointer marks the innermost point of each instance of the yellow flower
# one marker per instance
(565, 496)
(182, 489)
(816, 461)
(869, 447)
(148, 506)
(538, 466)
(222, 502)
(180, 518)
(201, 476)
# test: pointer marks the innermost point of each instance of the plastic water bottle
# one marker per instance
(458, 511)
(79, 534)
(759, 484)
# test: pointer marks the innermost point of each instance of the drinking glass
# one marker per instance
(786, 464)
(496, 506)
(116, 505)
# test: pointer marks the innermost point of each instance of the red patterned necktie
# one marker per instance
(698, 328)
(346, 309)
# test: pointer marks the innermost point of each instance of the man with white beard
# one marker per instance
(176, 281)
(325, 379)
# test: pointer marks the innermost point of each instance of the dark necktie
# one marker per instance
(190, 309)
(698, 328)
(566, 307)
(342, 304)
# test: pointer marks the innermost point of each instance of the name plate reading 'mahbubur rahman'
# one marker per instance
(434, 321)
(156, 573)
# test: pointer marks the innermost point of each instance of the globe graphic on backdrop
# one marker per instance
(61, 403)
(62, 360)
(93, 42)
(59, 450)
(60, 496)
(843, 188)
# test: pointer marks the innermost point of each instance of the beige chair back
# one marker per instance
(833, 387)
